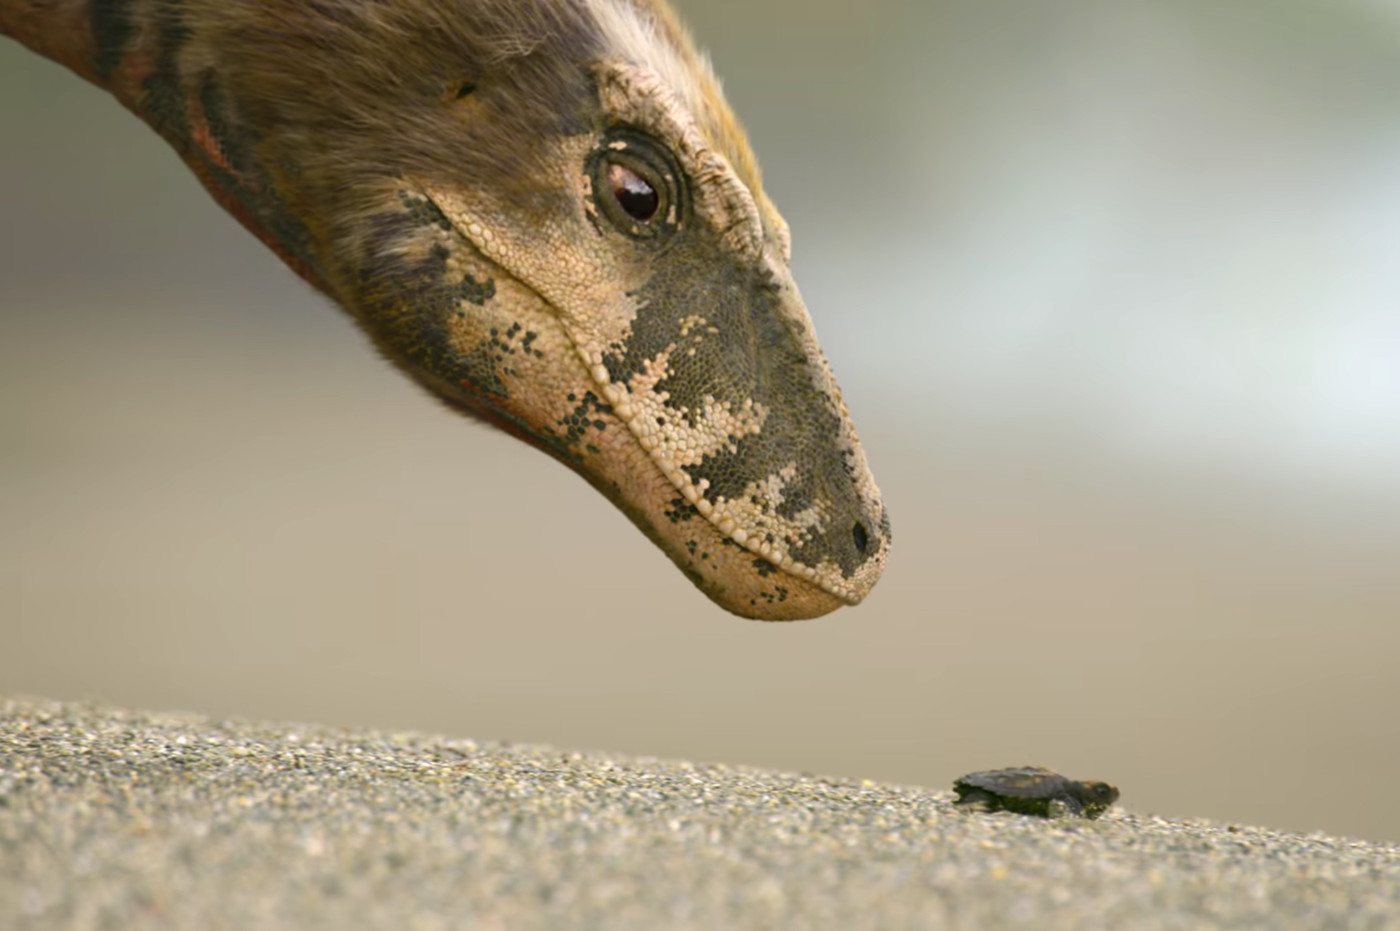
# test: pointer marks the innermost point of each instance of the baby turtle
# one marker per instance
(1034, 790)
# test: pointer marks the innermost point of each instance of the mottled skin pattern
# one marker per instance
(1034, 790)
(444, 170)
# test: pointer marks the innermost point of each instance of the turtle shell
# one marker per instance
(1034, 790)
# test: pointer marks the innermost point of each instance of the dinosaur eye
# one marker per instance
(633, 193)
(637, 186)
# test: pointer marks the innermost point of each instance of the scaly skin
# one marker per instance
(443, 169)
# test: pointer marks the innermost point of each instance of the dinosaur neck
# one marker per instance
(149, 55)
(61, 30)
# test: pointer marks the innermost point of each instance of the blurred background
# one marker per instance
(1113, 291)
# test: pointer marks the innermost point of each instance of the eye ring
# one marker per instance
(637, 186)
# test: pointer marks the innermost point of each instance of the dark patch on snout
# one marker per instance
(414, 301)
(757, 353)
(588, 414)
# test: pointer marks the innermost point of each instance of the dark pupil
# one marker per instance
(633, 193)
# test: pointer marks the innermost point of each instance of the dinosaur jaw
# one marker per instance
(478, 337)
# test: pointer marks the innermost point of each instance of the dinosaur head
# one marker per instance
(546, 213)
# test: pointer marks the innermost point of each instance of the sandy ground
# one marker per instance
(125, 819)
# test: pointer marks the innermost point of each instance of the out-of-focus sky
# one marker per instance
(1113, 291)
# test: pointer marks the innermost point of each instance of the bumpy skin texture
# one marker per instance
(1034, 790)
(440, 168)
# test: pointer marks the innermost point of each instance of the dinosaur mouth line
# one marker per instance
(628, 407)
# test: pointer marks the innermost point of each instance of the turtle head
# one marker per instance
(1096, 797)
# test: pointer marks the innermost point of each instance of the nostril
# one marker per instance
(860, 536)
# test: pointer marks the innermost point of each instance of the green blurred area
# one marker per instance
(1111, 289)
